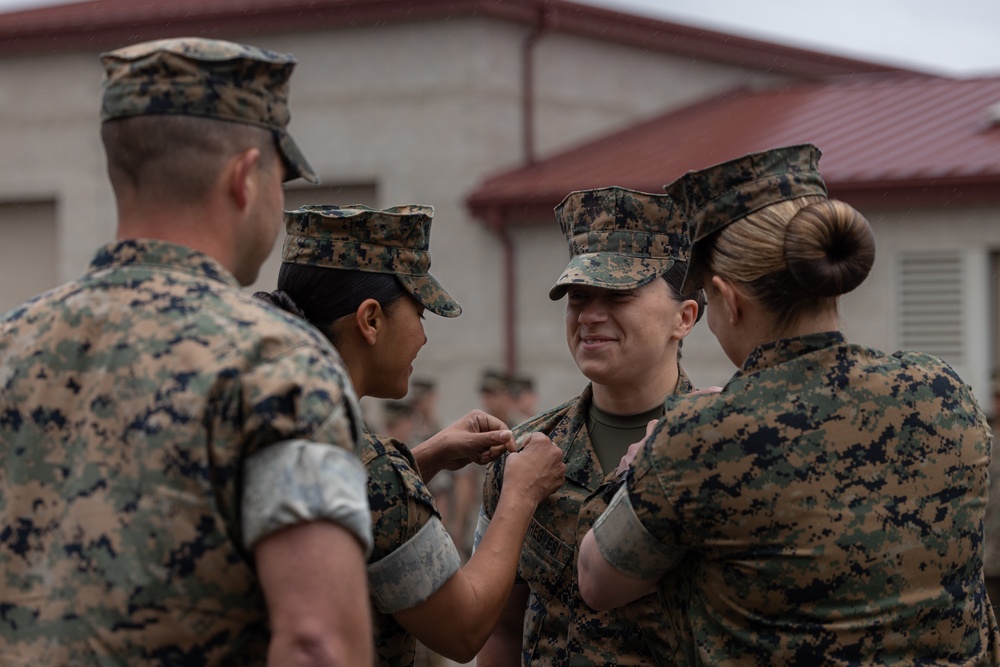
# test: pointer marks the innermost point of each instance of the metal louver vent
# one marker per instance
(930, 308)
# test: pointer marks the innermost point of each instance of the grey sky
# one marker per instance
(951, 37)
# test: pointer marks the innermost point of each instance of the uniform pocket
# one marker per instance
(544, 560)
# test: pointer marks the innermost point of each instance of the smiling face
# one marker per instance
(396, 349)
(622, 339)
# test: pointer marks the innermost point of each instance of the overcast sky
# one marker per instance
(954, 37)
(951, 37)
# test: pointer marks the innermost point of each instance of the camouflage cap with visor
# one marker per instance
(192, 76)
(392, 240)
(619, 238)
(717, 196)
(493, 381)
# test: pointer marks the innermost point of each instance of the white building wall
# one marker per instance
(50, 149)
(420, 113)
(428, 111)
(971, 231)
(586, 88)
(27, 263)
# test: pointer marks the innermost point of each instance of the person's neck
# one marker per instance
(356, 361)
(768, 333)
(817, 324)
(187, 227)
(757, 326)
(637, 397)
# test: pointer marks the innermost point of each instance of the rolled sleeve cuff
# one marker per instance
(626, 544)
(298, 481)
(414, 571)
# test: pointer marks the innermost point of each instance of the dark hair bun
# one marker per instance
(281, 300)
(829, 248)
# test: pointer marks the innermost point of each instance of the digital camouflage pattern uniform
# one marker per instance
(833, 496)
(132, 398)
(830, 499)
(413, 555)
(618, 239)
(559, 627)
(991, 524)
(135, 400)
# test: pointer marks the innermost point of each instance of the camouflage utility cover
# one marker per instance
(619, 238)
(130, 399)
(393, 240)
(494, 381)
(193, 76)
(559, 627)
(838, 493)
(717, 196)
(401, 508)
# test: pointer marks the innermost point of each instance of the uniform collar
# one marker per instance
(582, 466)
(684, 385)
(786, 349)
(153, 252)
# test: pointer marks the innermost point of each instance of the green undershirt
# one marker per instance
(611, 434)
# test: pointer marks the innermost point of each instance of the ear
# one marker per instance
(731, 297)
(686, 318)
(370, 319)
(243, 177)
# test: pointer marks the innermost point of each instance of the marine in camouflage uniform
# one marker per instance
(157, 421)
(413, 554)
(618, 239)
(831, 495)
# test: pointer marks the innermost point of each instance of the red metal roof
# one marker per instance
(101, 24)
(885, 139)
